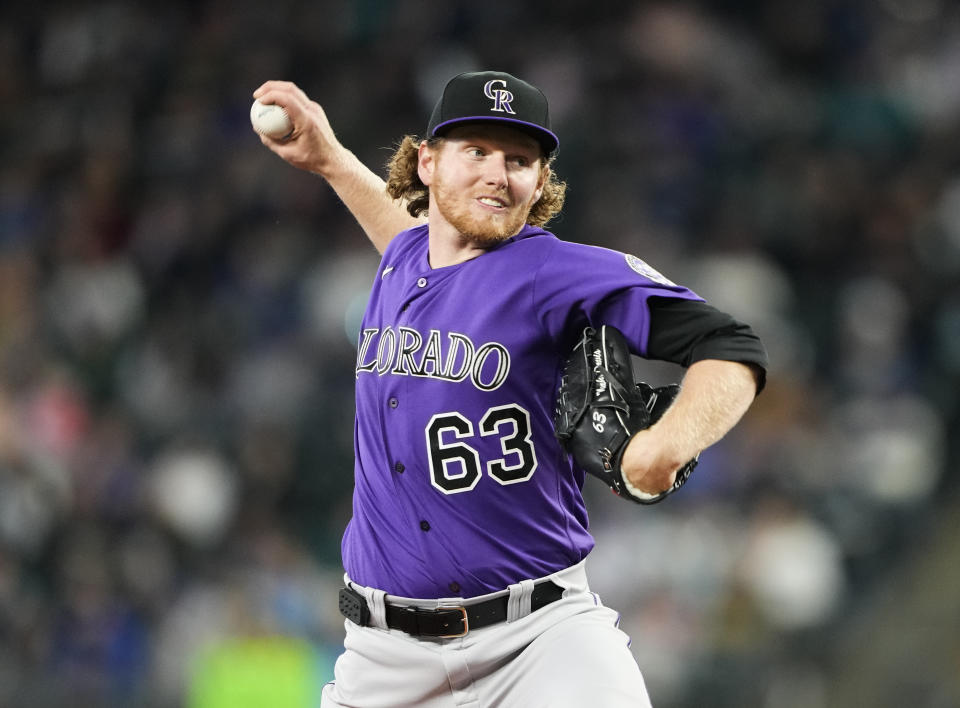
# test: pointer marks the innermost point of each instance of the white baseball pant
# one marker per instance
(569, 653)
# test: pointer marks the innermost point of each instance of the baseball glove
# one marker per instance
(600, 407)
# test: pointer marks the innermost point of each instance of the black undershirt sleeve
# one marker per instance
(685, 331)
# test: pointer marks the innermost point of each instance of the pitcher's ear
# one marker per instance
(426, 162)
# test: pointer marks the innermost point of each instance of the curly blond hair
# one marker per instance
(404, 182)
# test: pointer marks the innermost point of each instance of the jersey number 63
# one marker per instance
(455, 465)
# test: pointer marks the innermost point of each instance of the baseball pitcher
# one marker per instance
(492, 376)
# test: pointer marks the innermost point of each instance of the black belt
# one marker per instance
(445, 622)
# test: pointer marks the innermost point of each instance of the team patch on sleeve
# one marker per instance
(647, 271)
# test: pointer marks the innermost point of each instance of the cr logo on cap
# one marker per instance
(500, 96)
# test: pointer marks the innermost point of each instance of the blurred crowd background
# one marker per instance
(179, 310)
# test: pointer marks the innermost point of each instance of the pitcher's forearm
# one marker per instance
(314, 147)
(713, 398)
(364, 193)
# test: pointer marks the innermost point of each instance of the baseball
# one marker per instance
(270, 120)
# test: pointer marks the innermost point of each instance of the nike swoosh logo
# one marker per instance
(386, 271)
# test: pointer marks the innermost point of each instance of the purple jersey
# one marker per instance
(461, 487)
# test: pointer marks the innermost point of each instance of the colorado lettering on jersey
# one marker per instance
(404, 351)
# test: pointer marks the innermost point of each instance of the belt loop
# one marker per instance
(376, 602)
(378, 609)
(518, 603)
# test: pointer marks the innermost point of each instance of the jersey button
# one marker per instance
(399, 468)
(424, 525)
(393, 402)
(454, 586)
(421, 282)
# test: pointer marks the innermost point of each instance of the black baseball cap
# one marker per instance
(493, 96)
